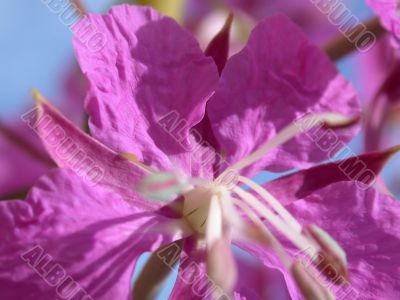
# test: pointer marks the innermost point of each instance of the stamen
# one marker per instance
(275, 204)
(310, 286)
(308, 282)
(276, 245)
(332, 262)
(331, 119)
(297, 239)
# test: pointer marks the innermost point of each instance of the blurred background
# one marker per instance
(36, 51)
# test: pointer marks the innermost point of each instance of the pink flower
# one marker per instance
(156, 99)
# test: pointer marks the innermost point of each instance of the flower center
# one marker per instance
(196, 207)
(212, 208)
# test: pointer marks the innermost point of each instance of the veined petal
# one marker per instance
(258, 282)
(73, 149)
(269, 85)
(149, 85)
(271, 261)
(365, 224)
(66, 228)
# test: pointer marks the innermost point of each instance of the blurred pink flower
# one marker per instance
(304, 13)
(389, 13)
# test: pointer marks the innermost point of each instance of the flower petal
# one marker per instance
(362, 169)
(94, 236)
(20, 150)
(73, 149)
(218, 48)
(149, 71)
(271, 263)
(256, 281)
(365, 224)
(269, 85)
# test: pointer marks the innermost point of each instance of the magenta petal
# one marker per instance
(258, 282)
(73, 149)
(365, 224)
(20, 149)
(95, 237)
(361, 169)
(149, 68)
(271, 263)
(269, 85)
(218, 48)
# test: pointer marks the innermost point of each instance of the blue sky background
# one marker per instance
(36, 48)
